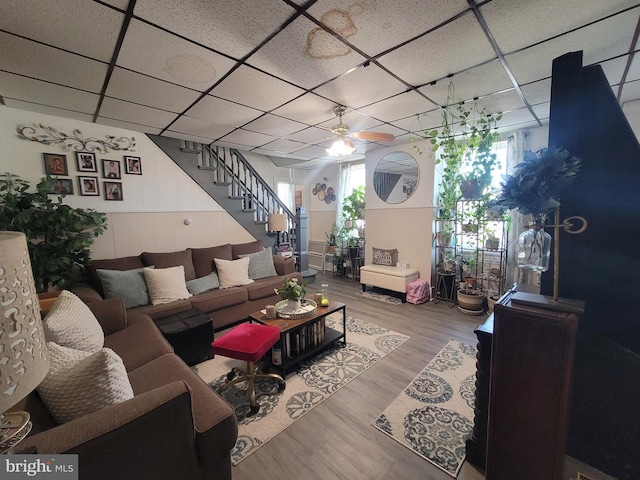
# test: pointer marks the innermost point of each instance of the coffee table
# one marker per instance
(304, 337)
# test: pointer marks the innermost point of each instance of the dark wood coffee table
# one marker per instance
(303, 338)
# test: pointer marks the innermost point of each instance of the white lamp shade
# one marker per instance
(277, 222)
(22, 344)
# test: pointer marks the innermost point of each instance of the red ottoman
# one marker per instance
(248, 342)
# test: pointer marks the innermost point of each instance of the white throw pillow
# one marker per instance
(233, 273)
(79, 383)
(166, 285)
(70, 323)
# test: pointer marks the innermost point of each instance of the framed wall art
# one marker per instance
(86, 162)
(55, 164)
(60, 186)
(113, 191)
(133, 165)
(89, 186)
(111, 168)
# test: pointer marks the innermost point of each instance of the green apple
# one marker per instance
(325, 302)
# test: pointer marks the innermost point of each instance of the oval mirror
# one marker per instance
(396, 177)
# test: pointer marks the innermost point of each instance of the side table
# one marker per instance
(190, 333)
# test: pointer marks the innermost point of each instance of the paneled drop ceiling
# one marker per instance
(264, 75)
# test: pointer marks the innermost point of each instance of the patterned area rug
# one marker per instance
(315, 381)
(381, 297)
(433, 416)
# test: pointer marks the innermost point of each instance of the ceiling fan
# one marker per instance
(344, 146)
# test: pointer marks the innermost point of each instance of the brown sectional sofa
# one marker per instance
(226, 306)
(176, 426)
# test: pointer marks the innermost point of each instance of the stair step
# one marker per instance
(190, 150)
(236, 197)
(261, 222)
(249, 210)
(224, 184)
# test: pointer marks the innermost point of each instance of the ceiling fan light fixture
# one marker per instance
(341, 147)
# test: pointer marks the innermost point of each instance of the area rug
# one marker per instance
(315, 381)
(433, 416)
(381, 297)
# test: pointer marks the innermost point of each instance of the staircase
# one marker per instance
(234, 184)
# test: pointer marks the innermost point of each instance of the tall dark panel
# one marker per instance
(601, 265)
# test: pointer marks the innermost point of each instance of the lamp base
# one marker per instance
(14, 426)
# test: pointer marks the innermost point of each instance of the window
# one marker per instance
(500, 149)
(357, 177)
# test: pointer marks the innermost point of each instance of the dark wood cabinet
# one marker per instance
(531, 374)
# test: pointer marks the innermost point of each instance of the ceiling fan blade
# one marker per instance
(374, 136)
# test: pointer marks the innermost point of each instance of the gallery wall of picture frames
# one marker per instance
(324, 192)
(56, 166)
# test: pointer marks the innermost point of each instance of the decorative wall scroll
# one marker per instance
(51, 136)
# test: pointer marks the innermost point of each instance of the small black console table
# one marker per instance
(190, 333)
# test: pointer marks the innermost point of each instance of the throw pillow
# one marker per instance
(233, 273)
(72, 324)
(166, 285)
(127, 284)
(238, 249)
(203, 284)
(261, 264)
(79, 383)
(383, 256)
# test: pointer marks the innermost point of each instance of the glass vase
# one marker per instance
(534, 246)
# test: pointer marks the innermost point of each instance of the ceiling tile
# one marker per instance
(31, 59)
(274, 125)
(456, 46)
(127, 111)
(129, 126)
(154, 52)
(311, 151)
(363, 86)
(305, 55)
(419, 123)
(121, 4)
(283, 146)
(518, 23)
(47, 110)
(631, 91)
(248, 86)
(537, 92)
(144, 90)
(79, 26)
(218, 111)
(203, 128)
(599, 42)
(310, 135)
(250, 139)
(309, 108)
(186, 136)
(514, 118)
(375, 26)
(354, 119)
(633, 73)
(37, 91)
(401, 106)
(500, 102)
(234, 28)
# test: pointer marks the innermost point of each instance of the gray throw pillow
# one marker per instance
(203, 284)
(260, 264)
(128, 284)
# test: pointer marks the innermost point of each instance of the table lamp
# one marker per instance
(23, 358)
(277, 223)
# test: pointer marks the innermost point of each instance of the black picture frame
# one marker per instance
(89, 186)
(59, 186)
(86, 162)
(113, 191)
(55, 164)
(111, 169)
(132, 165)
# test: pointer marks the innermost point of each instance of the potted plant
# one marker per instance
(353, 206)
(332, 238)
(447, 264)
(492, 242)
(293, 292)
(59, 237)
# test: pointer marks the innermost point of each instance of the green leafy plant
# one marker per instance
(292, 290)
(332, 237)
(353, 205)
(59, 237)
(539, 180)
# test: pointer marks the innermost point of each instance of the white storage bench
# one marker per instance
(390, 278)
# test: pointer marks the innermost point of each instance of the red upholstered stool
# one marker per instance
(248, 342)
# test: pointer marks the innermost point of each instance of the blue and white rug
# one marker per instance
(316, 380)
(433, 416)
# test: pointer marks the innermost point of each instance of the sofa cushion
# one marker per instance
(203, 258)
(233, 273)
(122, 263)
(245, 248)
(218, 299)
(70, 323)
(139, 343)
(203, 284)
(261, 264)
(130, 285)
(166, 285)
(171, 259)
(264, 287)
(77, 385)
